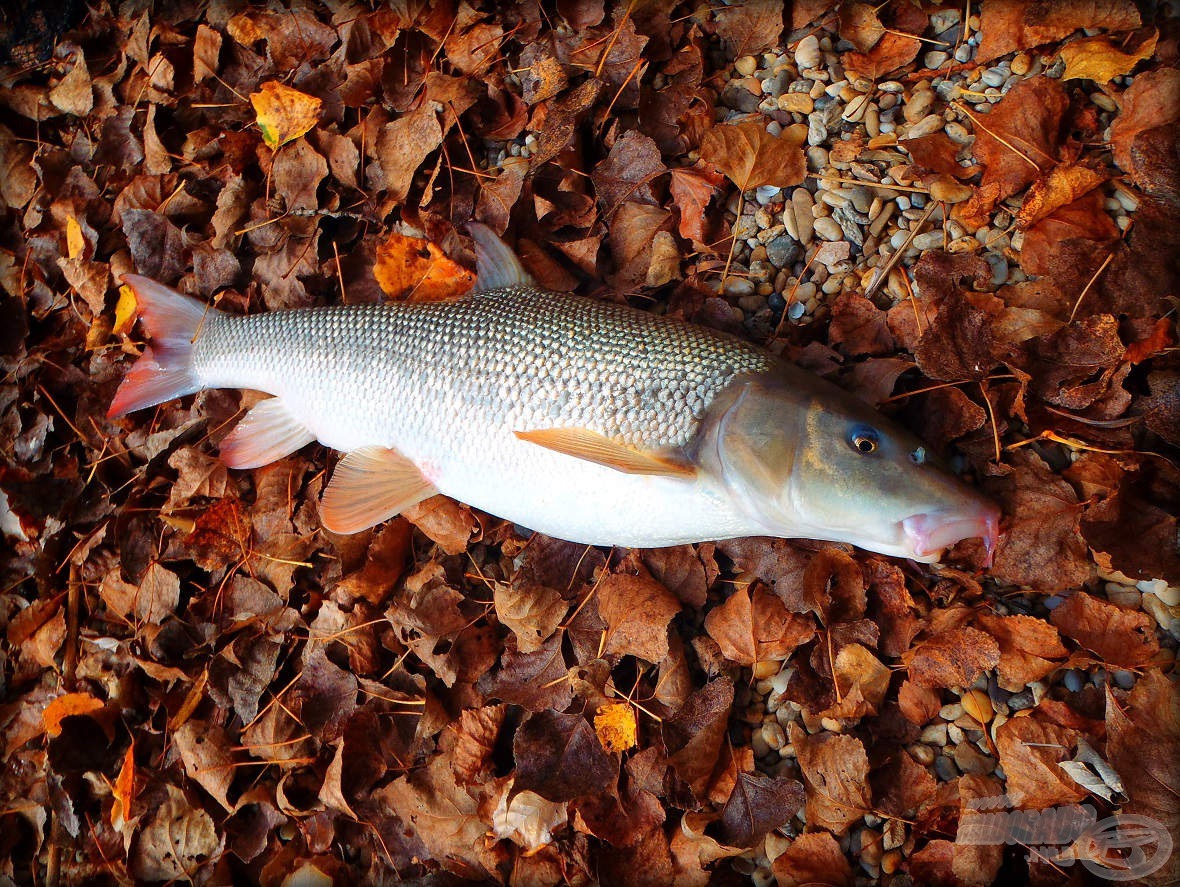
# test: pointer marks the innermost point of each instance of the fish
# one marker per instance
(582, 419)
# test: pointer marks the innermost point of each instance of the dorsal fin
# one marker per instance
(496, 266)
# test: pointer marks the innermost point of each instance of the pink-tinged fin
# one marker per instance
(590, 446)
(496, 266)
(164, 371)
(267, 433)
(371, 485)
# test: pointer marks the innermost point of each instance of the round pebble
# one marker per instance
(807, 52)
(828, 228)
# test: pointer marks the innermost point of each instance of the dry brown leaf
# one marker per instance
(1120, 635)
(814, 859)
(750, 157)
(68, 705)
(1029, 648)
(1021, 136)
(1064, 184)
(952, 658)
(835, 772)
(1008, 25)
(637, 611)
(1030, 751)
(755, 627)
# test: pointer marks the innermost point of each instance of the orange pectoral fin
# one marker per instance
(582, 443)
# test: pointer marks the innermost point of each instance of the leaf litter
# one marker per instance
(970, 221)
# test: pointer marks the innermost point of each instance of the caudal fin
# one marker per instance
(164, 370)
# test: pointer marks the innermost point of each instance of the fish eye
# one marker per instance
(864, 439)
(918, 456)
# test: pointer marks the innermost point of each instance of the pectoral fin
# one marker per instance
(370, 485)
(267, 433)
(582, 443)
(496, 266)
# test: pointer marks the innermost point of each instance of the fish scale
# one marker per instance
(516, 358)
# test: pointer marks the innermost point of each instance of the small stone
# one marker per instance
(969, 760)
(803, 208)
(949, 191)
(807, 53)
(1124, 679)
(994, 77)
(1021, 64)
(829, 229)
(923, 754)
(783, 251)
(929, 240)
(958, 133)
(944, 767)
(928, 125)
(746, 65)
(738, 287)
(965, 51)
(891, 862)
(796, 103)
(963, 245)
(774, 735)
(817, 130)
(1021, 701)
(935, 58)
(796, 311)
(1073, 681)
(765, 194)
(919, 103)
(934, 735)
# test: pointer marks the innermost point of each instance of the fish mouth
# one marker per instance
(931, 532)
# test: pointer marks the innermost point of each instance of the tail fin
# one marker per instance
(164, 371)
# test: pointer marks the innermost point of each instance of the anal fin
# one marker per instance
(582, 443)
(370, 485)
(267, 433)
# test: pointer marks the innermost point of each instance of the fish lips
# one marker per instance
(930, 532)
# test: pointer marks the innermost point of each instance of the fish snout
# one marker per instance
(930, 532)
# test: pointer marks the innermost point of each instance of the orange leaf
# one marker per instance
(124, 788)
(1099, 59)
(66, 706)
(615, 726)
(416, 270)
(284, 114)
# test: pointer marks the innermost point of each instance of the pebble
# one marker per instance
(935, 58)
(774, 735)
(929, 240)
(817, 130)
(923, 754)
(1021, 701)
(1123, 679)
(1021, 63)
(796, 311)
(784, 251)
(950, 191)
(796, 102)
(928, 125)
(934, 735)
(919, 103)
(829, 229)
(994, 76)
(739, 286)
(1073, 680)
(970, 760)
(958, 133)
(802, 210)
(746, 65)
(765, 194)
(807, 53)
(945, 768)
(965, 51)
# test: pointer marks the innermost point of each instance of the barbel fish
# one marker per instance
(585, 420)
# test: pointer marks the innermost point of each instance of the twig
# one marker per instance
(892, 261)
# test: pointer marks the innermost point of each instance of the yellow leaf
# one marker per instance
(616, 728)
(65, 706)
(283, 113)
(75, 242)
(1100, 60)
(124, 311)
(416, 270)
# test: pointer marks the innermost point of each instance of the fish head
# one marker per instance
(804, 458)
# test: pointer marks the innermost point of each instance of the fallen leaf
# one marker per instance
(1119, 635)
(173, 840)
(750, 157)
(1019, 139)
(1100, 59)
(1030, 648)
(835, 772)
(1064, 184)
(616, 727)
(415, 270)
(404, 144)
(283, 113)
(756, 626)
(952, 658)
(1030, 752)
(896, 47)
(694, 734)
(758, 804)
(66, 706)
(1008, 25)
(627, 172)
(637, 611)
(748, 28)
(813, 859)
(918, 704)
(528, 820)
(559, 757)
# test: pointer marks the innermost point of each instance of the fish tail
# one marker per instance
(165, 369)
